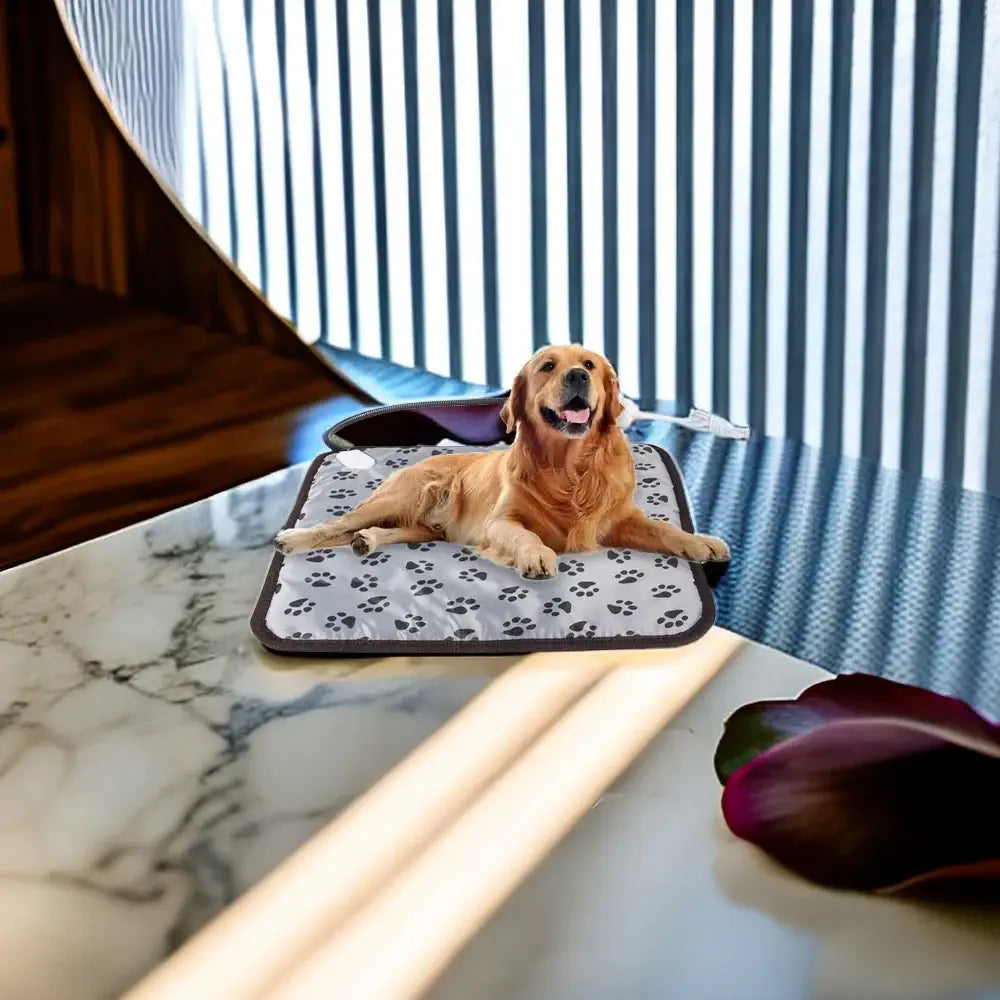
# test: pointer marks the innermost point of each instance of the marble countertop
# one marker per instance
(155, 762)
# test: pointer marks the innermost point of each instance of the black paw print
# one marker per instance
(394, 463)
(518, 626)
(376, 604)
(409, 450)
(436, 451)
(658, 516)
(585, 588)
(672, 619)
(583, 630)
(299, 607)
(419, 565)
(410, 623)
(337, 509)
(466, 555)
(468, 575)
(464, 633)
(619, 555)
(513, 594)
(340, 494)
(648, 482)
(420, 546)
(375, 559)
(643, 467)
(322, 579)
(571, 567)
(665, 562)
(629, 575)
(656, 499)
(372, 484)
(423, 587)
(557, 607)
(342, 475)
(340, 620)
(364, 583)
(462, 605)
(666, 590)
(624, 608)
(302, 635)
(277, 587)
(321, 555)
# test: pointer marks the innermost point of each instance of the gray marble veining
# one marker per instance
(154, 761)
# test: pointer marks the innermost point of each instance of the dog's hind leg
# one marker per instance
(367, 540)
(375, 511)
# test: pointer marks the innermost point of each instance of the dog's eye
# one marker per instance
(589, 365)
(548, 366)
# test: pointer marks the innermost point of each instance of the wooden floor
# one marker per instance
(111, 413)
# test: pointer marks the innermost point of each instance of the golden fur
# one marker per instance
(563, 486)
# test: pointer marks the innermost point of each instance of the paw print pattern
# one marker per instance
(321, 555)
(672, 620)
(666, 590)
(464, 633)
(462, 606)
(342, 475)
(624, 608)
(277, 587)
(394, 463)
(629, 575)
(643, 467)
(420, 546)
(419, 565)
(375, 559)
(557, 607)
(656, 499)
(466, 555)
(374, 605)
(410, 624)
(300, 606)
(340, 494)
(409, 450)
(582, 630)
(648, 482)
(340, 621)
(619, 555)
(372, 484)
(665, 562)
(585, 588)
(468, 575)
(513, 594)
(518, 626)
(320, 579)
(423, 587)
(571, 567)
(339, 509)
(364, 583)
(659, 516)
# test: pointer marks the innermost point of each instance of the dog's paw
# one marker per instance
(362, 543)
(538, 564)
(294, 540)
(704, 548)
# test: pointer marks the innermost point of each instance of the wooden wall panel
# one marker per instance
(11, 263)
(93, 213)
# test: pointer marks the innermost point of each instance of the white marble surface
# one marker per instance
(154, 761)
(651, 898)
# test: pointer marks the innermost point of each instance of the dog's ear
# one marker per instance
(513, 409)
(613, 408)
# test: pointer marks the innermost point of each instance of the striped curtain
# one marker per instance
(787, 211)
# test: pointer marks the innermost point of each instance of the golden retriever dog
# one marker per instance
(566, 484)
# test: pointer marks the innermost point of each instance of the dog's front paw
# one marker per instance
(704, 548)
(294, 540)
(538, 564)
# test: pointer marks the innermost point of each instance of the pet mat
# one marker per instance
(440, 598)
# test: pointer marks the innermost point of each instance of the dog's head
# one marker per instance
(567, 391)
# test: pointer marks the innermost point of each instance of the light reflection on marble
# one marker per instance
(651, 898)
(154, 761)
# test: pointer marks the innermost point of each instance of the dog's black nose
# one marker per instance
(577, 377)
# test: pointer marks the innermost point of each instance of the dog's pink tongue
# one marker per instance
(576, 416)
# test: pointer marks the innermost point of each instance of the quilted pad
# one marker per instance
(436, 597)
